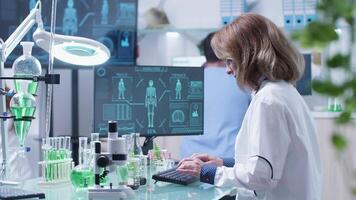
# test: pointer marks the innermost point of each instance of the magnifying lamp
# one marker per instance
(69, 49)
(73, 50)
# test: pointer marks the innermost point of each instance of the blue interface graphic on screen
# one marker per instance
(149, 100)
(112, 22)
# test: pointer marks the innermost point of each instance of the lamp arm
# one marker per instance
(16, 37)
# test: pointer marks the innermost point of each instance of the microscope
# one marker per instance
(116, 155)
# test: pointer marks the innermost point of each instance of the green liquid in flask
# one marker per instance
(22, 126)
(82, 178)
(31, 86)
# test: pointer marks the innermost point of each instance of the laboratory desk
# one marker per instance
(151, 191)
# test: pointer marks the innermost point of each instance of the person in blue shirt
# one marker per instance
(224, 108)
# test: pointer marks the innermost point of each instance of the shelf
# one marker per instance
(328, 115)
(194, 34)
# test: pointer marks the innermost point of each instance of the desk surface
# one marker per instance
(151, 191)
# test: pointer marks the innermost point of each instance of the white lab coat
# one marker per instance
(276, 151)
(15, 163)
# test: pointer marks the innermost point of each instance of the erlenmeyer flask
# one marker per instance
(137, 150)
(82, 175)
(26, 66)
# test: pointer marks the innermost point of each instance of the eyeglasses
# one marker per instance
(228, 62)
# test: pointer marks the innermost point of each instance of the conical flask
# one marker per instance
(26, 66)
(22, 107)
(137, 150)
(82, 176)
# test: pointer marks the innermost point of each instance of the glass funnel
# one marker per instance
(26, 66)
(22, 107)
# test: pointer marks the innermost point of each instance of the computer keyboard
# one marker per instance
(7, 192)
(173, 176)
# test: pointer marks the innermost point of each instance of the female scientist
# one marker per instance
(276, 150)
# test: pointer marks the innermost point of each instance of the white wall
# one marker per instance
(62, 104)
(86, 101)
(185, 13)
(157, 49)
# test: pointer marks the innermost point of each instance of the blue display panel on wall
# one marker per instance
(112, 22)
(150, 100)
(231, 9)
(298, 13)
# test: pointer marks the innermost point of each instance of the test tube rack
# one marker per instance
(57, 162)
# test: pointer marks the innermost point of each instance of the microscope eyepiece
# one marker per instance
(112, 126)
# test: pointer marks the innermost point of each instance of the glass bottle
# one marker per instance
(82, 175)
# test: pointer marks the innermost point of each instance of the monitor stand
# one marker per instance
(147, 144)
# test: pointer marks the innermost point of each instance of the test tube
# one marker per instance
(44, 148)
(94, 138)
(82, 149)
(43, 142)
(58, 145)
(68, 146)
(51, 142)
(62, 148)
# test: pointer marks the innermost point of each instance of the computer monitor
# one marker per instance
(150, 100)
(304, 84)
(111, 22)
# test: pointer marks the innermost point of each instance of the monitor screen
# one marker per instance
(304, 84)
(111, 22)
(150, 100)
